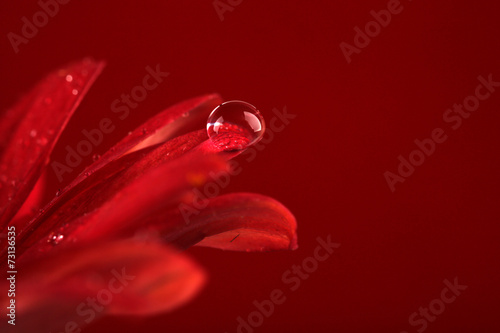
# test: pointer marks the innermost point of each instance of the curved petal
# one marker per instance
(120, 203)
(108, 182)
(34, 126)
(155, 131)
(83, 283)
(238, 222)
(158, 129)
(33, 202)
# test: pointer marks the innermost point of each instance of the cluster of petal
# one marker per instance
(120, 214)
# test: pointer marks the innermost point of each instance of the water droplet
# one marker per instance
(33, 133)
(95, 157)
(74, 92)
(69, 78)
(185, 114)
(235, 125)
(58, 193)
(55, 239)
(129, 133)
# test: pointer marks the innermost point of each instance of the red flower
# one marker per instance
(109, 242)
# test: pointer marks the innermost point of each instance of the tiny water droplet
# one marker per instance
(129, 133)
(235, 125)
(10, 198)
(33, 133)
(55, 239)
(74, 92)
(58, 193)
(95, 157)
(185, 114)
(69, 78)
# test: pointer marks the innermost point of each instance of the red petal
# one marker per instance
(157, 129)
(122, 201)
(33, 202)
(33, 127)
(238, 222)
(160, 128)
(123, 278)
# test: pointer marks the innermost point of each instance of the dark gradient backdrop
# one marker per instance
(353, 121)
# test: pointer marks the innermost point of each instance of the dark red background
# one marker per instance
(327, 166)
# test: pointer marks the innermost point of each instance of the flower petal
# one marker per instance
(117, 203)
(238, 222)
(33, 127)
(122, 278)
(158, 129)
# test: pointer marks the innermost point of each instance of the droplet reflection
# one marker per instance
(235, 125)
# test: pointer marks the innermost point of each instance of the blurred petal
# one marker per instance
(33, 127)
(32, 205)
(122, 278)
(119, 203)
(99, 187)
(35, 199)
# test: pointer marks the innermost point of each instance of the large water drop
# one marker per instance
(235, 125)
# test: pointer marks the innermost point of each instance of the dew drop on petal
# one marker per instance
(74, 92)
(55, 238)
(33, 133)
(235, 125)
(95, 157)
(69, 78)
